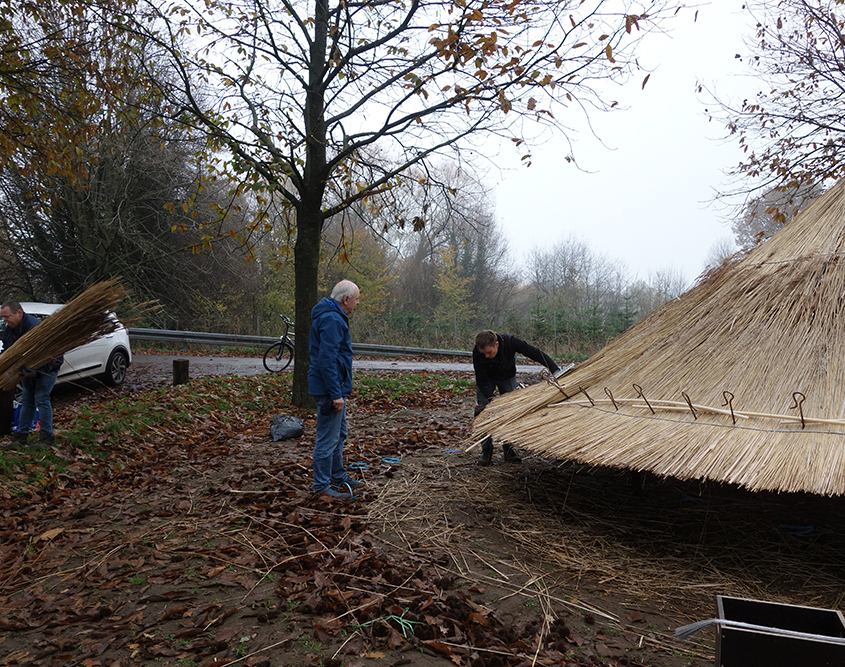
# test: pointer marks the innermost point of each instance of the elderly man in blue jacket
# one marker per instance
(330, 383)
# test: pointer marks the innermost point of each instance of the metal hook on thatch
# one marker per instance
(584, 391)
(553, 381)
(689, 403)
(729, 401)
(795, 395)
(639, 390)
(610, 396)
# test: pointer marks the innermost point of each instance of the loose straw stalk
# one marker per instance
(83, 319)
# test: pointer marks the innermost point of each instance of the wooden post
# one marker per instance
(7, 400)
(180, 371)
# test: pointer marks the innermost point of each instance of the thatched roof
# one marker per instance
(761, 328)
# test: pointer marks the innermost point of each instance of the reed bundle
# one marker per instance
(83, 319)
(767, 328)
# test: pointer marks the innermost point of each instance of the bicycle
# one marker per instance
(278, 356)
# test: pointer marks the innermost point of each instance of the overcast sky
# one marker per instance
(646, 201)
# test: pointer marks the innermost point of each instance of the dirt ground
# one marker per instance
(212, 551)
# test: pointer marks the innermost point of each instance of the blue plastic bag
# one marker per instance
(16, 415)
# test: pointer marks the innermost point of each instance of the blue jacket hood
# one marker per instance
(324, 306)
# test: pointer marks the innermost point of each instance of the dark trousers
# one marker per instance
(504, 386)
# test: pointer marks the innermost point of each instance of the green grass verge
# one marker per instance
(406, 386)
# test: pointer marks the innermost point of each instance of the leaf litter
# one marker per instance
(177, 533)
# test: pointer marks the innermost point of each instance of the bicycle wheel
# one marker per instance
(278, 357)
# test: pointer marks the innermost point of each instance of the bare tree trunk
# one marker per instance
(306, 255)
(309, 214)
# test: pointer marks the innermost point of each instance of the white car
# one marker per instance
(106, 358)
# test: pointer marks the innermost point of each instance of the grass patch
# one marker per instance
(459, 386)
(163, 347)
(24, 468)
(399, 387)
(11, 462)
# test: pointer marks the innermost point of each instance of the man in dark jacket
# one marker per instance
(494, 362)
(36, 384)
(330, 383)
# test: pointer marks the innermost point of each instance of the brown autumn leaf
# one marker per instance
(322, 634)
(50, 534)
(603, 650)
(479, 618)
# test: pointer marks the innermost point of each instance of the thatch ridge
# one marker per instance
(767, 328)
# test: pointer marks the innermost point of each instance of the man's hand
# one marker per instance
(338, 404)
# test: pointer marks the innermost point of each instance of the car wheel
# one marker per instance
(116, 368)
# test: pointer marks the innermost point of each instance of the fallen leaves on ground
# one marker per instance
(173, 531)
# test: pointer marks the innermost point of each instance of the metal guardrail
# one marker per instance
(234, 340)
(198, 338)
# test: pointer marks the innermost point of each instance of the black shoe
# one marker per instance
(19, 438)
(486, 453)
(510, 454)
(335, 494)
(46, 439)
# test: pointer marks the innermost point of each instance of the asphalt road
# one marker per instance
(203, 366)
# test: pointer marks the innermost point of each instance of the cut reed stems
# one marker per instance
(83, 319)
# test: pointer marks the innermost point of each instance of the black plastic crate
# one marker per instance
(744, 647)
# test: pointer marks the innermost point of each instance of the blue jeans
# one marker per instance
(504, 386)
(328, 446)
(36, 394)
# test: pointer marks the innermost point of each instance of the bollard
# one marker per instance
(180, 371)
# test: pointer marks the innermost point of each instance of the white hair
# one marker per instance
(342, 289)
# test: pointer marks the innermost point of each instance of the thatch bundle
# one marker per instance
(741, 379)
(83, 319)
